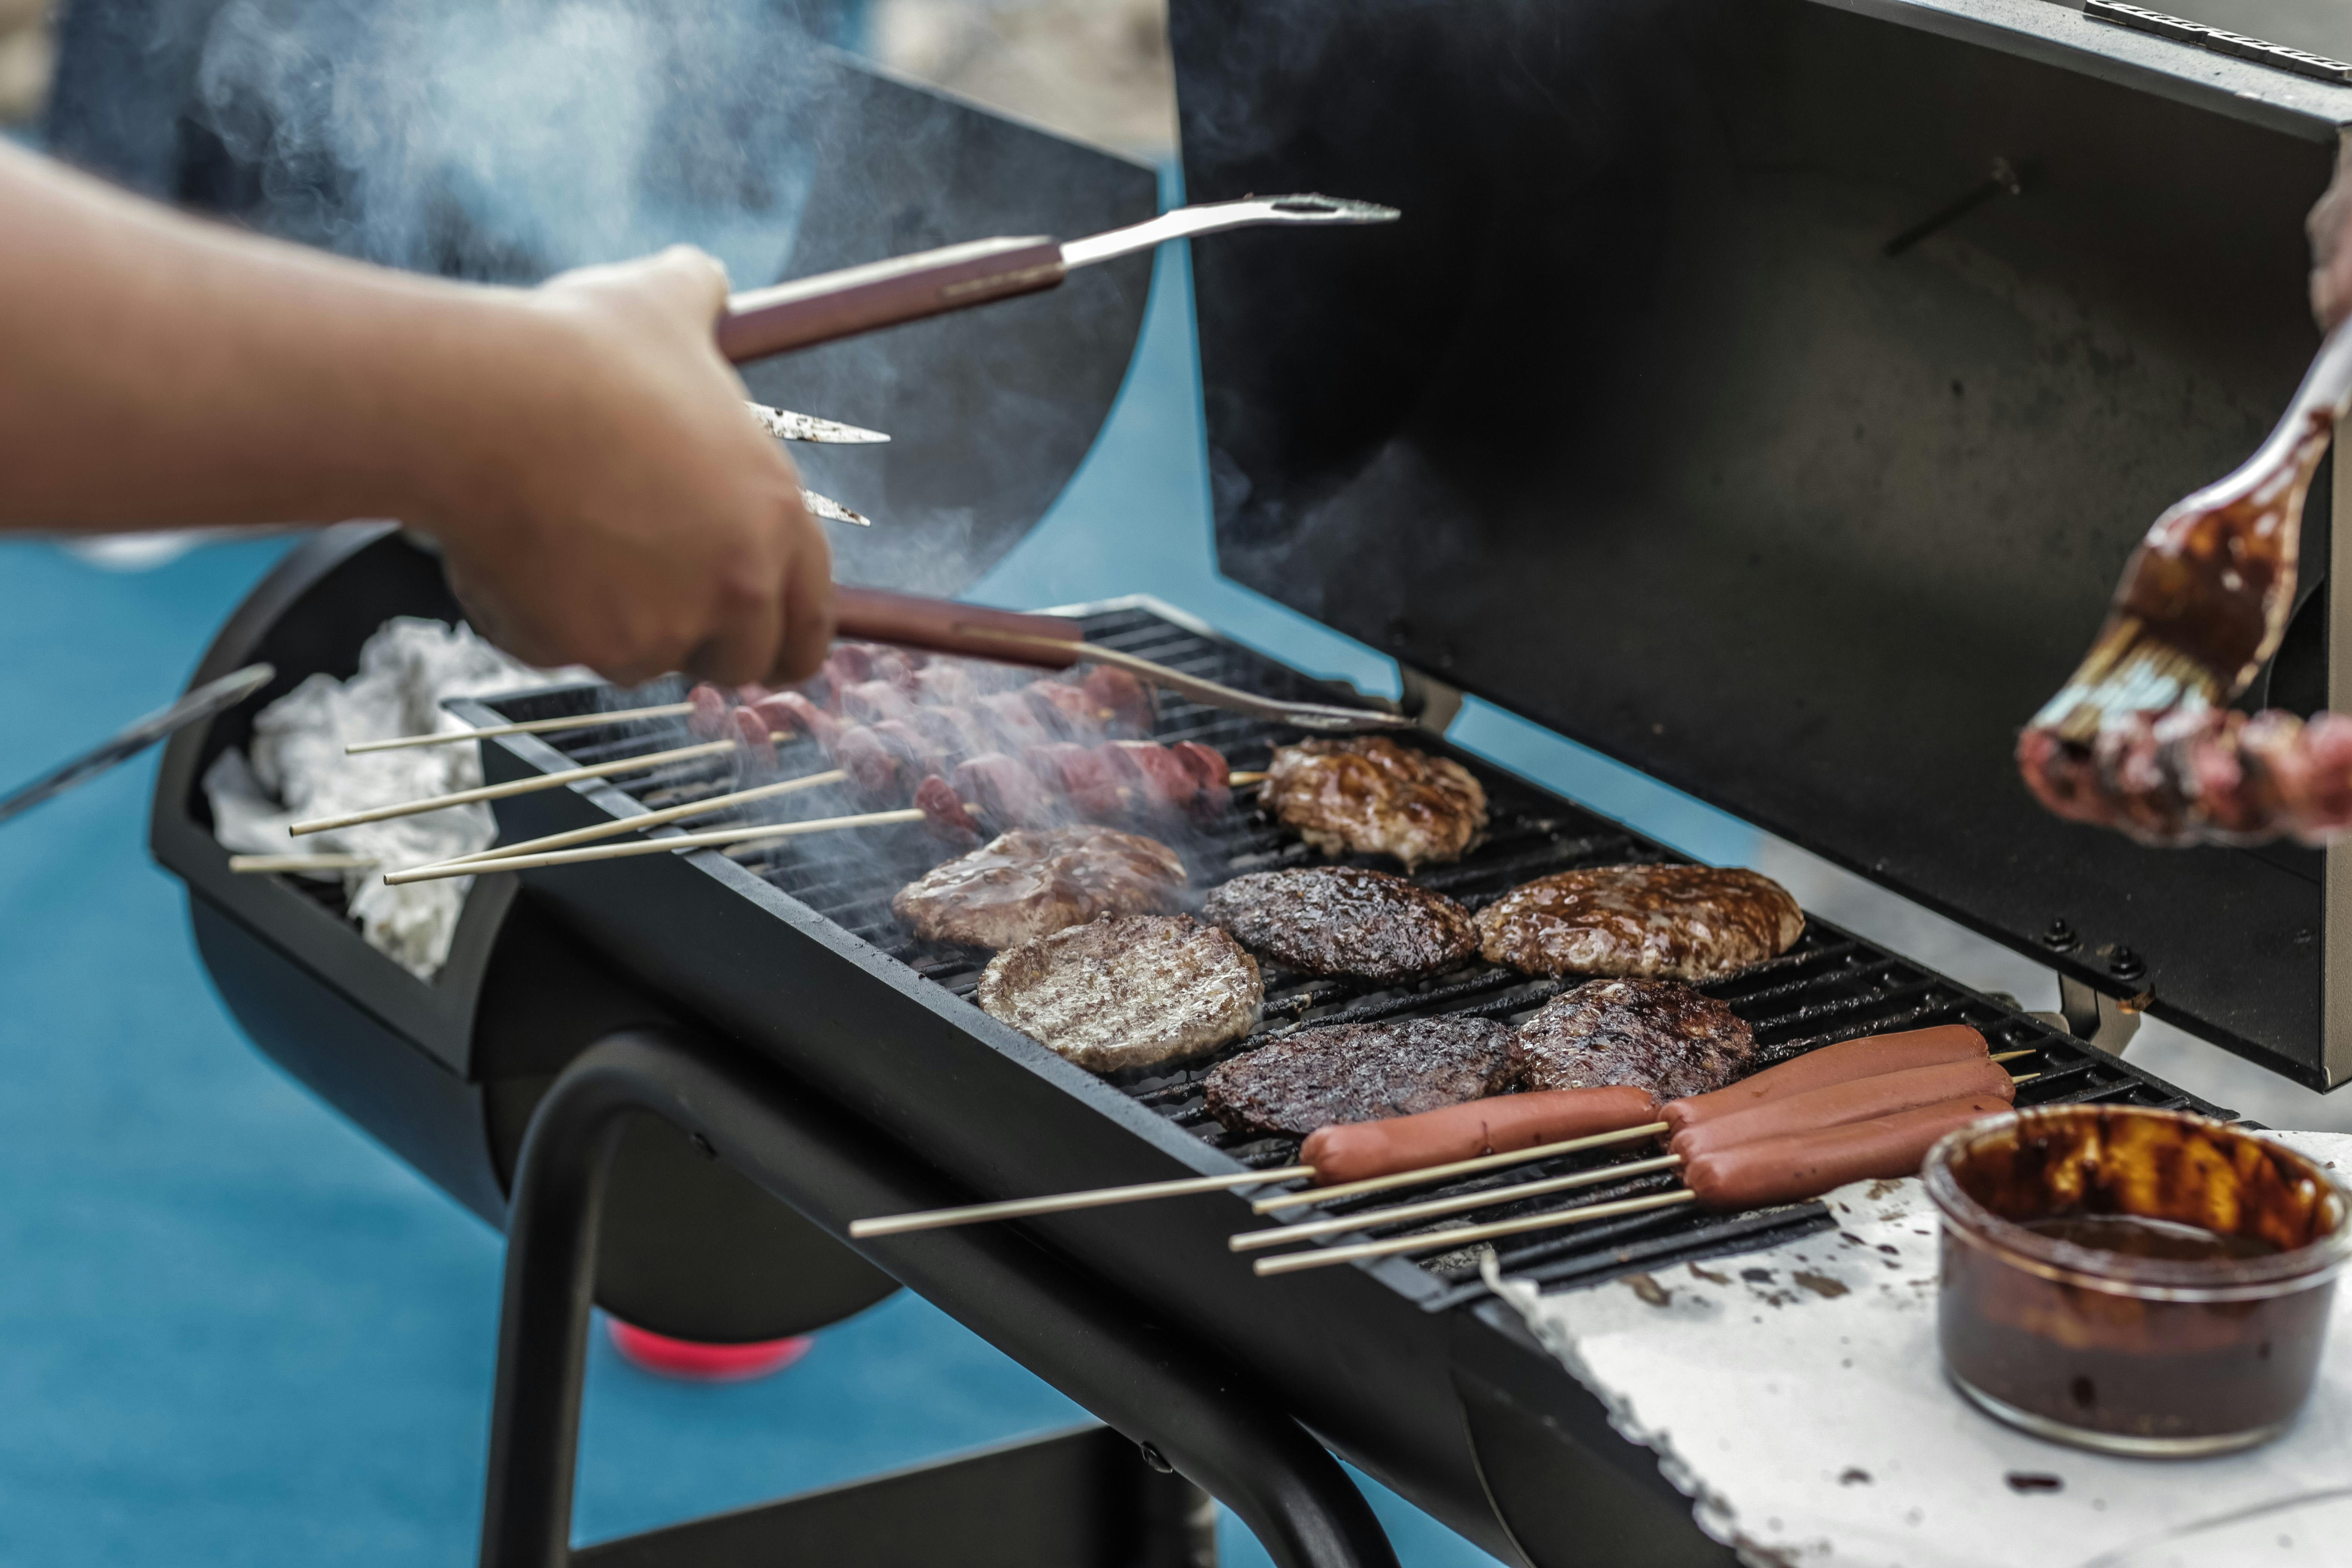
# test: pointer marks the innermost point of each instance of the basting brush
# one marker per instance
(2204, 598)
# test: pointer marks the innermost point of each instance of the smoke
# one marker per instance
(510, 138)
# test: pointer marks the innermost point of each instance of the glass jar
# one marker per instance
(2135, 1281)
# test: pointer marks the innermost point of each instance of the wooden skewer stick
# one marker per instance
(649, 819)
(518, 786)
(1458, 1168)
(1463, 1236)
(251, 864)
(1243, 779)
(652, 845)
(523, 727)
(1059, 1202)
(2013, 1056)
(1253, 1240)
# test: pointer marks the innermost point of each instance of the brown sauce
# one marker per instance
(2136, 1236)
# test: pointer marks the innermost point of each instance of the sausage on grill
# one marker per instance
(1866, 1058)
(1349, 1152)
(1805, 1166)
(1858, 1100)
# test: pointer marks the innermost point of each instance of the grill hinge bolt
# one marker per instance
(2059, 937)
(2126, 964)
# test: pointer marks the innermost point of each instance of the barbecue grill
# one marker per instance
(790, 1042)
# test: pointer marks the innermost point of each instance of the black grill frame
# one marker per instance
(1832, 986)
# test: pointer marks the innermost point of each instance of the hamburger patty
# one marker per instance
(1362, 1072)
(1367, 796)
(1650, 1034)
(1689, 922)
(1127, 991)
(1029, 884)
(1336, 920)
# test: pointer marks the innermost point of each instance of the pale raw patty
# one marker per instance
(1127, 991)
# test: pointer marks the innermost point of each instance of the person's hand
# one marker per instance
(612, 503)
(2330, 227)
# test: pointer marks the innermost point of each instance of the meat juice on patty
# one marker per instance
(1026, 885)
(1362, 1072)
(1127, 991)
(1651, 1034)
(1683, 922)
(1337, 920)
(1367, 796)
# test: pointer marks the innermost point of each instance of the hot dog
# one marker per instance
(1866, 1058)
(1792, 1169)
(1858, 1100)
(1349, 1151)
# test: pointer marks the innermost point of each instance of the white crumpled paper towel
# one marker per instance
(298, 770)
(1796, 1397)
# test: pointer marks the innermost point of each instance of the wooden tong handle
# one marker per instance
(942, 625)
(811, 310)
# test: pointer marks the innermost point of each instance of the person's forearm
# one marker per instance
(162, 371)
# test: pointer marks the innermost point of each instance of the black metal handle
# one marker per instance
(1207, 1418)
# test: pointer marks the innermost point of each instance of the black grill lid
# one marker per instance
(1635, 426)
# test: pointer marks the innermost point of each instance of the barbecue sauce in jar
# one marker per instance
(2136, 1281)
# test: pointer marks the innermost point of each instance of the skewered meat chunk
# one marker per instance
(943, 684)
(1063, 709)
(874, 702)
(1012, 720)
(1157, 779)
(1025, 885)
(1008, 792)
(1362, 1072)
(1127, 991)
(943, 811)
(1079, 775)
(1125, 702)
(1367, 796)
(1691, 922)
(1336, 920)
(1210, 774)
(1651, 1034)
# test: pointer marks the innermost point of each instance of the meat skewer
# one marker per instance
(523, 727)
(649, 819)
(659, 846)
(1568, 1121)
(1750, 1176)
(514, 787)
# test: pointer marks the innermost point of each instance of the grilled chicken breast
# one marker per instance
(1026, 885)
(1362, 1072)
(1651, 1034)
(1127, 991)
(1688, 922)
(1367, 796)
(1337, 920)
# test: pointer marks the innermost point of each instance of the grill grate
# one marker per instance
(1831, 986)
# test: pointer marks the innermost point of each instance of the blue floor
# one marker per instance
(233, 1331)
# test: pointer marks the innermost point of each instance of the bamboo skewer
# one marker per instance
(651, 845)
(1059, 1202)
(254, 865)
(518, 786)
(1246, 778)
(649, 819)
(523, 727)
(1458, 1168)
(1253, 1240)
(1465, 1236)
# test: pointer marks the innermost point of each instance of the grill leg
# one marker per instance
(1161, 1391)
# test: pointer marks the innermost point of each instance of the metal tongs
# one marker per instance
(832, 305)
(1055, 642)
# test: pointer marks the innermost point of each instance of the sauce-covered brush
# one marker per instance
(2142, 738)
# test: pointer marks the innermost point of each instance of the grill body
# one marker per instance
(1408, 1369)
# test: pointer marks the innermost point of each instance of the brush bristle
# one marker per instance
(2128, 670)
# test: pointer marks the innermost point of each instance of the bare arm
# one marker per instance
(581, 450)
(2330, 227)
